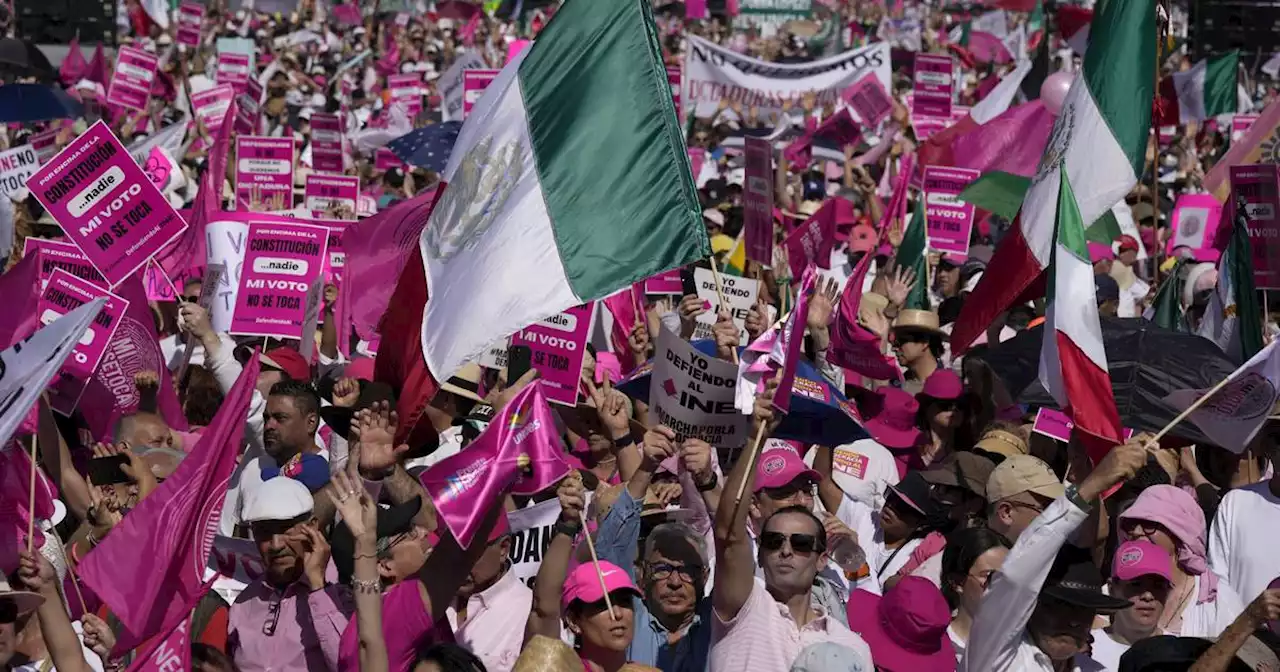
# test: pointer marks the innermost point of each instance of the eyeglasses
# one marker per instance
(802, 544)
(273, 616)
(792, 489)
(8, 611)
(1023, 505)
(660, 571)
(983, 578)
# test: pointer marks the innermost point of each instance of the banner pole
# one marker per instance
(1151, 443)
(715, 274)
(751, 462)
(31, 500)
(595, 562)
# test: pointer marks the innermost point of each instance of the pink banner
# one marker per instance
(131, 81)
(385, 159)
(932, 85)
(1240, 124)
(335, 259)
(171, 654)
(326, 143)
(105, 204)
(248, 108)
(674, 79)
(158, 285)
(407, 89)
(56, 254)
(948, 220)
(474, 82)
(264, 173)
(63, 294)
(757, 201)
(280, 263)
(190, 17)
(233, 69)
(1194, 222)
(559, 344)
(1259, 185)
(667, 282)
(332, 196)
(211, 105)
(869, 100)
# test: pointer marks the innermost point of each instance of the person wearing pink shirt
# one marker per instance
(489, 612)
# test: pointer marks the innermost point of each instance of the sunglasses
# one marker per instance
(801, 544)
(660, 571)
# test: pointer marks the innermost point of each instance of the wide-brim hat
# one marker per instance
(1076, 580)
(25, 600)
(339, 417)
(466, 382)
(865, 619)
(914, 319)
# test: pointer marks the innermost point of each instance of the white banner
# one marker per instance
(450, 85)
(16, 165)
(712, 73)
(693, 393)
(739, 295)
(531, 534)
(28, 366)
(169, 138)
(225, 245)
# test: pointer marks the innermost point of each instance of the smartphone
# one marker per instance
(107, 471)
(519, 359)
(688, 286)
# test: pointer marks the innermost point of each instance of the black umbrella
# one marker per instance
(24, 59)
(1146, 364)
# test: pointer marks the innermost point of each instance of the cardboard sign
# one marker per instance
(1194, 222)
(162, 170)
(106, 205)
(407, 89)
(1240, 124)
(56, 254)
(1259, 185)
(666, 282)
(926, 126)
(63, 294)
(158, 285)
(385, 159)
(326, 144)
(532, 529)
(495, 357)
(248, 109)
(948, 220)
(474, 82)
(740, 294)
(559, 345)
(323, 193)
(674, 79)
(131, 80)
(869, 100)
(211, 105)
(45, 144)
(1056, 425)
(264, 173)
(190, 18)
(757, 201)
(281, 262)
(692, 393)
(233, 69)
(17, 165)
(932, 85)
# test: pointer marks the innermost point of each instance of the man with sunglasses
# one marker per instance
(1018, 490)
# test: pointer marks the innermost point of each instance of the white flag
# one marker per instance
(1233, 416)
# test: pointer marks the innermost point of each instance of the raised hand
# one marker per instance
(359, 512)
(375, 427)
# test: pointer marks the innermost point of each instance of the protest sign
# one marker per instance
(532, 529)
(326, 144)
(474, 82)
(210, 105)
(407, 89)
(1194, 222)
(667, 282)
(233, 69)
(248, 109)
(948, 220)
(281, 262)
(105, 204)
(559, 346)
(157, 284)
(932, 86)
(332, 196)
(190, 17)
(495, 356)
(757, 201)
(225, 239)
(906, 33)
(264, 173)
(16, 166)
(385, 159)
(1057, 425)
(768, 16)
(869, 100)
(1240, 124)
(926, 126)
(450, 85)
(45, 144)
(335, 259)
(162, 170)
(692, 393)
(131, 79)
(673, 78)
(1259, 185)
(739, 292)
(63, 294)
(712, 73)
(27, 366)
(56, 254)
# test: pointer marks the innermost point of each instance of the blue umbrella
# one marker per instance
(819, 413)
(36, 102)
(427, 147)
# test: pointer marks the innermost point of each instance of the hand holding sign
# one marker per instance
(695, 457)
(726, 334)
(659, 444)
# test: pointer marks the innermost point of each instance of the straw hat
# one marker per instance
(918, 320)
(466, 382)
(544, 654)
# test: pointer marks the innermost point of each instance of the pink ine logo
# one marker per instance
(773, 464)
(669, 386)
(1131, 557)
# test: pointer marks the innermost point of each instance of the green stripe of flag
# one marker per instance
(1119, 70)
(911, 254)
(1220, 84)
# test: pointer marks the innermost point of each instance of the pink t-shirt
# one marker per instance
(406, 627)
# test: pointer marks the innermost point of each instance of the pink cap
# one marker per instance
(780, 464)
(942, 384)
(583, 584)
(1137, 558)
(1099, 252)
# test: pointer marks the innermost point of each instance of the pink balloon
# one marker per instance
(1054, 91)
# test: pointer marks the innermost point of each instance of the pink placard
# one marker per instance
(211, 105)
(948, 220)
(105, 204)
(63, 294)
(515, 48)
(329, 191)
(385, 159)
(55, 254)
(264, 165)
(190, 17)
(1194, 222)
(757, 200)
(474, 82)
(46, 144)
(927, 126)
(1056, 425)
(932, 85)
(131, 80)
(559, 344)
(233, 69)
(407, 88)
(281, 261)
(1259, 185)
(158, 285)
(335, 259)
(674, 79)
(326, 143)
(869, 100)
(1240, 124)
(695, 9)
(667, 282)
(248, 108)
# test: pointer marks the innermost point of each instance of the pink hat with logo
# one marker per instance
(1137, 557)
(583, 584)
(942, 384)
(895, 425)
(780, 464)
(906, 628)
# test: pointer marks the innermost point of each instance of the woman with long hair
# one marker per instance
(972, 556)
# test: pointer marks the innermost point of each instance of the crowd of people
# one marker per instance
(948, 532)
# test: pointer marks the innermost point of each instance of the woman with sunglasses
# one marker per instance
(971, 558)
(942, 416)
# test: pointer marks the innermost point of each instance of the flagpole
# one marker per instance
(1155, 156)
(75, 580)
(715, 274)
(751, 462)
(595, 562)
(1151, 443)
(31, 500)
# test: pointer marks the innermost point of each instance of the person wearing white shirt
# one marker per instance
(972, 557)
(862, 469)
(1040, 607)
(1241, 549)
(1142, 573)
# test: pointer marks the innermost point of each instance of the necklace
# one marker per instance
(1182, 603)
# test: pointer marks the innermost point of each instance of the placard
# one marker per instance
(1194, 222)
(248, 108)
(1259, 185)
(673, 78)
(281, 261)
(63, 294)
(932, 85)
(55, 254)
(495, 356)
(335, 259)
(132, 77)
(264, 173)
(948, 220)
(326, 143)
(233, 69)
(105, 204)
(325, 192)
(190, 18)
(158, 285)
(559, 346)
(926, 126)
(692, 393)
(210, 105)
(46, 144)
(17, 165)
(407, 89)
(1240, 124)
(869, 100)
(1056, 425)
(474, 82)
(740, 294)
(666, 282)
(757, 201)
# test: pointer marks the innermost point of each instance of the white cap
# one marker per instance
(279, 498)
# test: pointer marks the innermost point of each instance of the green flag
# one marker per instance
(911, 254)
(1167, 308)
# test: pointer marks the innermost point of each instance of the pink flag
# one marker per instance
(73, 64)
(173, 652)
(348, 14)
(15, 492)
(800, 152)
(465, 486)
(623, 306)
(897, 202)
(1012, 142)
(695, 9)
(468, 32)
(97, 70)
(778, 349)
(840, 128)
(173, 529)
(853, 346)
(812, 241)
(20, 287)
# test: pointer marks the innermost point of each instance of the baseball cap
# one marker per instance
(392, 522)
(583, 584)
(279, 498)
(1106, 288)
(1128, 242)
(287, 360)
(862, 238)
(1138, 557)
(1100, 252)
(780, 465)
(1023, 473)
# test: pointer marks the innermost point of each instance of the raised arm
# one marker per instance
(360, 515)
(544, 617)
(55, 625)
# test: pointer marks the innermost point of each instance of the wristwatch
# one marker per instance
(625, 441)
(569, 529)
(1073, 496)
(709, 485)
